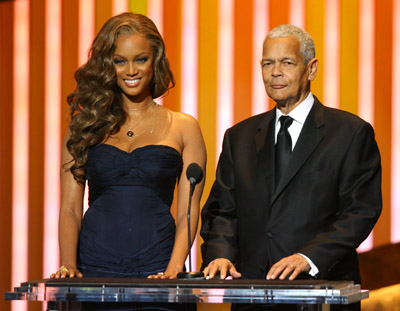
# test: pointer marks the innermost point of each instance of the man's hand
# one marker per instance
(224, 266)
(292, 265)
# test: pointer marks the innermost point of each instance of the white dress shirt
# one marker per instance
(299, 115)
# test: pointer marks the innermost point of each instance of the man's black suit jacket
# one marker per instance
(326, 204)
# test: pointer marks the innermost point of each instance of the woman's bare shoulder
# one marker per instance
(184, 120)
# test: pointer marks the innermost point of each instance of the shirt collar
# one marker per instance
(300, 113)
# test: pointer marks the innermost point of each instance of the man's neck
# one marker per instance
(287, 106)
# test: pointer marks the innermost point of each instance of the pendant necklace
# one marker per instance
(130, 133)
(142, 108)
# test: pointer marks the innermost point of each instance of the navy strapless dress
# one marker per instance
(128, 230)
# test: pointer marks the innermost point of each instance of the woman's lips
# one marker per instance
(132, 82)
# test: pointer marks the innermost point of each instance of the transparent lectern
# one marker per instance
(68, 294)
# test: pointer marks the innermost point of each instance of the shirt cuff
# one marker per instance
(314, 270)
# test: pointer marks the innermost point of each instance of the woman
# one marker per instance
(132, 152)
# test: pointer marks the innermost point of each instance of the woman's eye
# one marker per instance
(118, 61)
(142, 59)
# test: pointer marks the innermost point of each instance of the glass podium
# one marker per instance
(68, 294)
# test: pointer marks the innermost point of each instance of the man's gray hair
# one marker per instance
(307, 47)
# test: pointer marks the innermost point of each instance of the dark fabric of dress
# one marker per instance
(128, 230)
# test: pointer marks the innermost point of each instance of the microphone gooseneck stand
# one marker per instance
(194, 174)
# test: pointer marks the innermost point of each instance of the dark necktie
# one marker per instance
(283, 148)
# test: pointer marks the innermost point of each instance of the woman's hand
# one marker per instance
(167, 274)
(64, 272)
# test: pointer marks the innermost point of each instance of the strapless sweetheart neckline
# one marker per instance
(137, 149)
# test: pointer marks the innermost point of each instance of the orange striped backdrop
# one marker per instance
(214, 47)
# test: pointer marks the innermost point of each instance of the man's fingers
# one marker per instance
(213, 271)
(222, 272)
(274, 272)
(233, 272)
(302, 267)
(288, 269)
(206, 271)
(282, 272)
(295, 273)
(221, 265)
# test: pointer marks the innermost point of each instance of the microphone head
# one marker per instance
(194, 173)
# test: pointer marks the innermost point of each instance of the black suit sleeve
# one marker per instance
(218, 216)
(360, 204)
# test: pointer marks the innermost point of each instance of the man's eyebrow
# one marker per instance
(279, 59)
(286, 58)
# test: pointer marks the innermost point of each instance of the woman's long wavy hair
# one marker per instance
(96, 104)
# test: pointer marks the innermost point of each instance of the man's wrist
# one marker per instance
(219, 258)
(313, 268)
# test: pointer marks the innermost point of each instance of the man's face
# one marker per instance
(286, 77)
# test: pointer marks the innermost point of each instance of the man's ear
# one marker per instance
(312, 67)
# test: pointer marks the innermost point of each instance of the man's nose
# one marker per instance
(276, 70)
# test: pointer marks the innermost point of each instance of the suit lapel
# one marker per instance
(265, 142)
(264, 128)
(308, 140)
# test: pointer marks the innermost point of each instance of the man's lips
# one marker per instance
(277, 86)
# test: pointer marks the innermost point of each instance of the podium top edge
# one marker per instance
(132, 282)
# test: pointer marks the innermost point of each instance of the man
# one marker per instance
(294, 201)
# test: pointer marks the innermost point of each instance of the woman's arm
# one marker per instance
(70, 217)
(193, 151)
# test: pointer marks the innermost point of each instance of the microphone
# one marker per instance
(194, 174)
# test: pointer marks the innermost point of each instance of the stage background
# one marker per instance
(214, 47)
